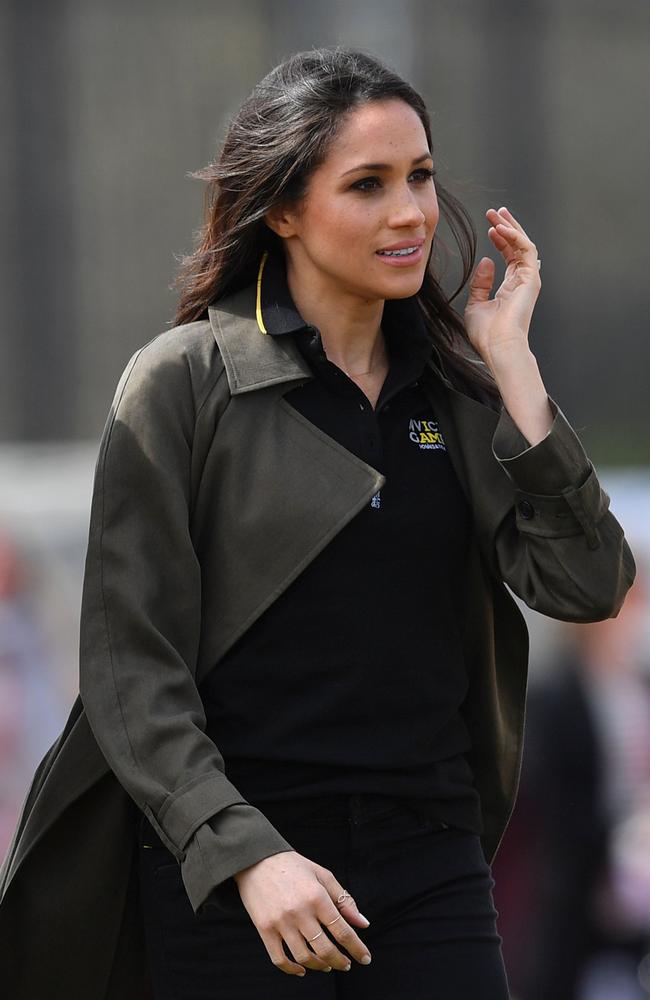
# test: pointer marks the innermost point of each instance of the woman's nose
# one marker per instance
(406, 211)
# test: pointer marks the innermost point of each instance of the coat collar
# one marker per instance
(248, 327)
(252, 360)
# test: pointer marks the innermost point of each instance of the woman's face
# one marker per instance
(373, 194)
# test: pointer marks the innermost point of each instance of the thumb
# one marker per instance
(481, 281)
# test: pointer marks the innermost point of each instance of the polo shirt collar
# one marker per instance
(403, 323)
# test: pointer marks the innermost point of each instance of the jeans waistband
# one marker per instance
(355, 808)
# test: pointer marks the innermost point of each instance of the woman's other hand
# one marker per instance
(291, 899)
(500, 325)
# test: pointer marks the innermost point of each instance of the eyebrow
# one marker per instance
(384, 166)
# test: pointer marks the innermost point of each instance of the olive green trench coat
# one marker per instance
(211, 495)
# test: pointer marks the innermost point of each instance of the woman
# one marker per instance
(298, 656)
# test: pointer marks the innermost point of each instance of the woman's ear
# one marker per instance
(281, 220)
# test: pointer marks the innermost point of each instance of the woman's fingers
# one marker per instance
(510, 238)
(340, 929)
(273, 943)
(310, 946)
(518, 248)
(294, 900)
(325, 952)
(343, 900)
(313, 954)
(507, 216)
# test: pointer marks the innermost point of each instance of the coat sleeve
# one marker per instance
(140, 630)
(559, 548)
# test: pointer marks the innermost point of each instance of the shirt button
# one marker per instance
(526, 510)
(362, 406)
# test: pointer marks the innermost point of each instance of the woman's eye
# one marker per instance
(366, 184)
(424, 174)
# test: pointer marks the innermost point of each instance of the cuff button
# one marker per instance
(526, 510)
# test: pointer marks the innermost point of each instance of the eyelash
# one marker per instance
(429, 174)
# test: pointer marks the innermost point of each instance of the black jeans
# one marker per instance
(426, 890)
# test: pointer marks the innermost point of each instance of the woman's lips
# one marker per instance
(401, 260)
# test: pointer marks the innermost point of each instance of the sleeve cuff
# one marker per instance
(557, 492)
(235, 838)
(556, 462)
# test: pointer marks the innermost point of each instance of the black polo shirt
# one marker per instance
(351, 681)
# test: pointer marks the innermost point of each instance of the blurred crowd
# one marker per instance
(573, 873)
(31, 709)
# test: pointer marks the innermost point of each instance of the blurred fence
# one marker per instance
(106, 107)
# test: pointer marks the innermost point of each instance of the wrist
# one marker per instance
(511, 357)
(517, 375)
(237, 877)
(523, 392)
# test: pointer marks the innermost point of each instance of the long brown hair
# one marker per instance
(280, 135)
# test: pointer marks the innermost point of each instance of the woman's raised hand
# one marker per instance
(499, 325)
(291, 899)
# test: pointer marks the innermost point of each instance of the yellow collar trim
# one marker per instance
(258, 299)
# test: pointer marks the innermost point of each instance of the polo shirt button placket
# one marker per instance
(526, 510)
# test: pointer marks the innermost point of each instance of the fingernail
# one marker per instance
(365, 918)
(346, 968)
(366, 960)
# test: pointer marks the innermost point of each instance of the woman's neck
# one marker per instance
(350, 327)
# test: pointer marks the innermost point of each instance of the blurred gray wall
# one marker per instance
(105, 108)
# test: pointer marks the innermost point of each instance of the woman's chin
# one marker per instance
(402, 286)
(398, 285)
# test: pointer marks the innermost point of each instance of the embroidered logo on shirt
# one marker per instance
(376, 500)
(426, 434)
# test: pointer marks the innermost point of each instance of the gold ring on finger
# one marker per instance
(342, 898)
(333, 921)
(315, 936)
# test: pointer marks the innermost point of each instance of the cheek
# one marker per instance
(343, 225)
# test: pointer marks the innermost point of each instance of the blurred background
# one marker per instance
(105, 108)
